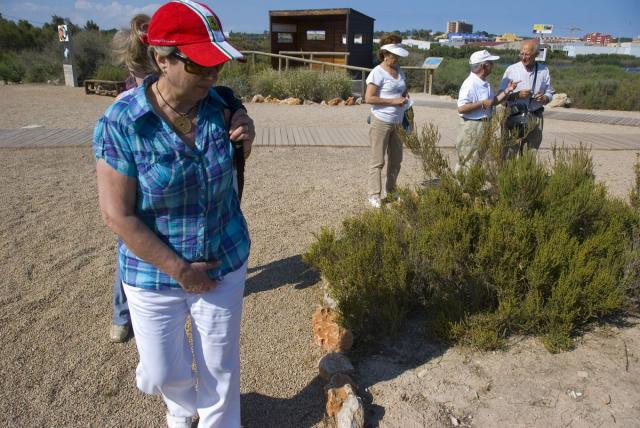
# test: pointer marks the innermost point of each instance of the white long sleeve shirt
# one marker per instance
(518, 72)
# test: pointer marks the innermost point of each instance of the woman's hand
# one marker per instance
(398, 101)
(193, 277)
(241, 128)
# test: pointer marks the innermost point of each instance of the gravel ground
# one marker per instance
(59, 368)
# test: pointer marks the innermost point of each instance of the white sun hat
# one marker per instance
(482, 56)
(395, 49)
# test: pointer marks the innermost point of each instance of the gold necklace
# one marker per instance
(182, 123)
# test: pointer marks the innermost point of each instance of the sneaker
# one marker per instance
(374, 201)
(118, 333)
(179, 421)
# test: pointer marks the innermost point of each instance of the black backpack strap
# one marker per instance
(533, 88)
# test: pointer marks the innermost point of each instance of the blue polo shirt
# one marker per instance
(185, 196)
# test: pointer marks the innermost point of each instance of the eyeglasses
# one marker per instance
(193, 68)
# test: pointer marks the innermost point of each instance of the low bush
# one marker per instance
(111, 72)
(11, 68)
(301, 83)
(512, 246)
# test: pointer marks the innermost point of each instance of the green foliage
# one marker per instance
(634, 196)
(111, 72)
(11, 68)
(43, 65)
(512, 246)
(598, 86)
(300, 83)
(91, 51)
(372, 298)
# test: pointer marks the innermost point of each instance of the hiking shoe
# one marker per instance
(118, 333)
(375, 201)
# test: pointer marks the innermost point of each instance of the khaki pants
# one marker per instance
(385, 138)
(469, 134)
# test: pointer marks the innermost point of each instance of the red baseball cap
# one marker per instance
(194, 29)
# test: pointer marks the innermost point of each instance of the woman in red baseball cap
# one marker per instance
(165, 185)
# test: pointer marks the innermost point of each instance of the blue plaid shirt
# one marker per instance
(185, 196)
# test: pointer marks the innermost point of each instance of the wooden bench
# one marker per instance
(104, 87)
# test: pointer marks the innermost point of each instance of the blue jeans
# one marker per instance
(120, 307)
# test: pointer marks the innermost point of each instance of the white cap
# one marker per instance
(482, 56)
(395, 49)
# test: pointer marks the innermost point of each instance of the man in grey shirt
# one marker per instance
(526, 72)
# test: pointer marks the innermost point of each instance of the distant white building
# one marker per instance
(414, 43)
(625, 49)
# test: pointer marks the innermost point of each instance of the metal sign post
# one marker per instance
(540, 30)
(70, 78)
(430, 65)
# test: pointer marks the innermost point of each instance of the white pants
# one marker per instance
(158, 318)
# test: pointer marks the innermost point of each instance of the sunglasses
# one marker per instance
(193, 68)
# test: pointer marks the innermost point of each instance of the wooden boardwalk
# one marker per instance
(312, 137)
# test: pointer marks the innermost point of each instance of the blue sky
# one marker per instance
(616, 17)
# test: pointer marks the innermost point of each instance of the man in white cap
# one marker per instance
(475, 105)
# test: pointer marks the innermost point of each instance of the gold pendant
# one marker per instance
(182, 124)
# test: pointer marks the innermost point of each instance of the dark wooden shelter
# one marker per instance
(323, 30)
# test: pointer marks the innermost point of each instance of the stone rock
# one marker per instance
(323, 103)
(559, 100)
(335, 102)
(328, 334)
(339, 380)
(257, 99)
(292, 101)
(336, 392)
(359, 101)
(350, 101)
(332, 364)
(309, 102)
(351, 414)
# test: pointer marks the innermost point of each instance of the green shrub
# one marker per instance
(11, 68)
(301, 83)
(238, 77)
(91, 50)
(111, 72)
(334, 84)
(510, 247)
(267, 83)
(372, 297)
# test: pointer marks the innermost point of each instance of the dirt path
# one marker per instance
(58, 368)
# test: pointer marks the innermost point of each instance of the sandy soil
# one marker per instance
(59, 369)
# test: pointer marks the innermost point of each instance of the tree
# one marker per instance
(90, 25)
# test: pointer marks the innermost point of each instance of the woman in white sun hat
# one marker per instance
(388, 95)
(165, 187)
